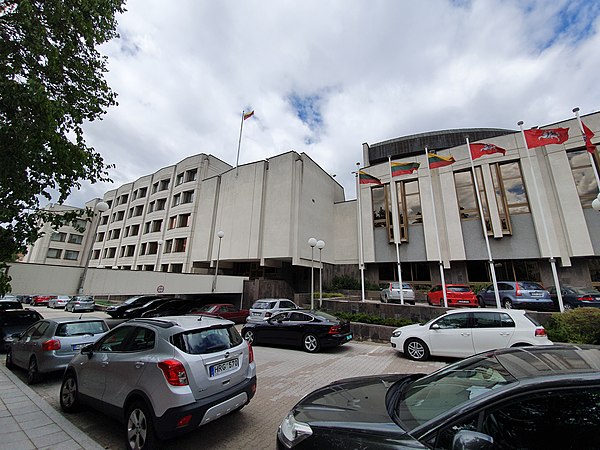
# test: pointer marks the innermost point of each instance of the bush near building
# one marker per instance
(578, 326)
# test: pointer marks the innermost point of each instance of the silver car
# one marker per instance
(50, 344)
(163, 376)
(80, 303)
(264, 308)
(59, 301)
(391, 293)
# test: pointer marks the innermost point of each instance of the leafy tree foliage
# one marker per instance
(51, 82)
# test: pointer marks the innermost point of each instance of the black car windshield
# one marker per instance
(445, 389)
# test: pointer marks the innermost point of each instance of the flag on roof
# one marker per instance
(478, 150)
(403, 168)
(587, 137)
(248, 114)
(537, 137)
(437, 161)
(365, 178)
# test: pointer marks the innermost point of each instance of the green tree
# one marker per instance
(51, 82)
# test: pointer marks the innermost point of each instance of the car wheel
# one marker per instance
(69, 400)
(481, 302)
(9, 360)
(140, 430)
(250, 337)
(507, 303)
(32, 371)
(416, 349)
(311, 343)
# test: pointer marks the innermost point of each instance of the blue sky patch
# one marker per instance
(307, 109)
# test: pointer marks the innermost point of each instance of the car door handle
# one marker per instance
(139, 364)
(465, 334)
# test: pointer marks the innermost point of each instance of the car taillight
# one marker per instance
(335, 329)
(52, 344)
(585, 298)
(184, 421)
(250, 354)
(540, 332)
(174, 372)
(518, 290)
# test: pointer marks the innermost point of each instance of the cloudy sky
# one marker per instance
(325, 76)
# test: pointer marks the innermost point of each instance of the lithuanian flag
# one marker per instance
(248, 114)
(404, 168)
(437, 161)
(365, 178)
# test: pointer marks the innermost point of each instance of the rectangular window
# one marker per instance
(112, 251)
(176, 268)
(100, 236)
(510, 192)
(130, 213)
(151, 206)
(116, 233)
(104, 220)
(109, 203)
(71, 255)
(123, 199)
(168, 246)
(142, 192)
(179, 179)
(54, 253)
(130, 251)
(120, 215)
(80, 224)
(188, 197)
(172, 222)
(96, 254)
(75, 238)
(467, 196)
(122, 252)
(191, 175)
(160, 204)
(155, 188)
(180, 244)
(147, 227)
(126, 232)
(138, 210)
(143, 249)
(583, 175)
(164, 185)
(156, 225)
(183, 220)
(176, 200)
(58, 237)
(135, 230)
(152, 248)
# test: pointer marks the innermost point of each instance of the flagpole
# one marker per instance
(395, 224)
(361, 258)
(542, 219)
(485, 235)
(239, 144)
(576, 111)
(437, 237)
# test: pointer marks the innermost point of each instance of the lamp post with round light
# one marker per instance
(312, 242)
(320, 246)
(99, 208)
(596, 203)
(220, 235)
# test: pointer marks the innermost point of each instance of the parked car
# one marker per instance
(224, 310)
(461, 333)
(59, 301)
(575, 297)
(517, 294)
(116, 311)
(139, 310)
(41, 300)
(458, 295)
(530, 398)
(80, 303)
(173, 307)
(25, 298)
(311, 330)
(9, 297)
(7, 303)
(163, 376)
(49, 344)
(391, 293)
(265, 307)
(14, 321)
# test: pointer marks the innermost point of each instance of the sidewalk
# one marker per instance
(28, 422)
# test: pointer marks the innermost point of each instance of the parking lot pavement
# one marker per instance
(284, 376)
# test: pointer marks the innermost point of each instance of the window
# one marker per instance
(172, 222)
(176, 200)
(130, 250)
(176, 268)
(179, 179)
(123, 199)
(583, 174)
(151, 206)
(152, 248)
(160, 204)
(112, 251)
(138, 210)
(96, 254)
(119, 215)
(492, 320)
(75, 238)
(54, 253)
(191, 175)
(183, 220)
(380, 206)
(109, 203)
(156, 225)
(130, 213)
(122, 252)
(142, 192)
(100, 236)
(155, 187)
(188, 197)
(510, 192)
(135, 230)
(80, 224)
(147, 227)
(409, 206)
(164, 185)
(126, 233)
(180, 244)
(104, 220)
(116, 233)
(168, 246)
(71, 255)
(453, 321)
(114, 341)
(518, 270)
(143, 249)
(467, 196)
(58, 237)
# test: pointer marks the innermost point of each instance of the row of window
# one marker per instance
(177, 245)
(509, 190)
(153, 226)
(71, 238)
(57, 253)
(173, 268)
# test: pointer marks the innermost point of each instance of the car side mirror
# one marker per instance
(88, 350)
(472, 440)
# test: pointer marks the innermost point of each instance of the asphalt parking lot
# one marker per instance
(284, 376)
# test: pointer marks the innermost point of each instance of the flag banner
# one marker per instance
(248, 114)
(401, 168)
(587, 137)
(537, 138)
(437, 161)
(478, 150)
(365, 178)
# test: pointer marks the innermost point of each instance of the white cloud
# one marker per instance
(381, 68)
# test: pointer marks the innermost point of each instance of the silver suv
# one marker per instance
(163, 376)
(265, 307)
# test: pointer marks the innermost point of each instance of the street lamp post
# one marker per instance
(312, 242)
(320, 246)
(159, 244)
(99, 207)
(220, 235)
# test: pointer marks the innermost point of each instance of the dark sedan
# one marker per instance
(139, 310)
(14, 321)
(576, 297)
(174, 307)
(116, 311)
(311, 330)
(530, 398)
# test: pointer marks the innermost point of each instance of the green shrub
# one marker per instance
(579, 326)
(344, 282)
(368, 318)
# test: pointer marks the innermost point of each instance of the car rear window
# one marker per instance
(5, 304)
(532, 319)
(264, 305)
(10, 318)
(530, 286)
(458, 288)
(201, 341)
(81, 328)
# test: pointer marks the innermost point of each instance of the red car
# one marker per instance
(224, 310)
(41, 300)
(457, 294)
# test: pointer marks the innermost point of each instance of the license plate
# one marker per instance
(255, 314)
(463, 301)
(348, 337)
(224, 367)
(536, 294)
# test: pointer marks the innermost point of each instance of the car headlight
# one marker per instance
(291, 431)
(396, 333)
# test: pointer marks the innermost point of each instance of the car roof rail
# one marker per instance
(158, 322)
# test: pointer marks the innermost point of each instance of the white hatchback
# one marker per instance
(463, 333)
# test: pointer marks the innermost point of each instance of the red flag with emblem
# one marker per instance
(537, 137)
(587, 137)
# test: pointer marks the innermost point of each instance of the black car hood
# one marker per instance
(352, 404)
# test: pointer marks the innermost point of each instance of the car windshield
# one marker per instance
(264, 305)
(430, 396)
(528, 285)
(81, 328)
(198, 342)
(458, 288)
(583, 291)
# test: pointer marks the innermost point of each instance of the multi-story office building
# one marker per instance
(537, 206)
